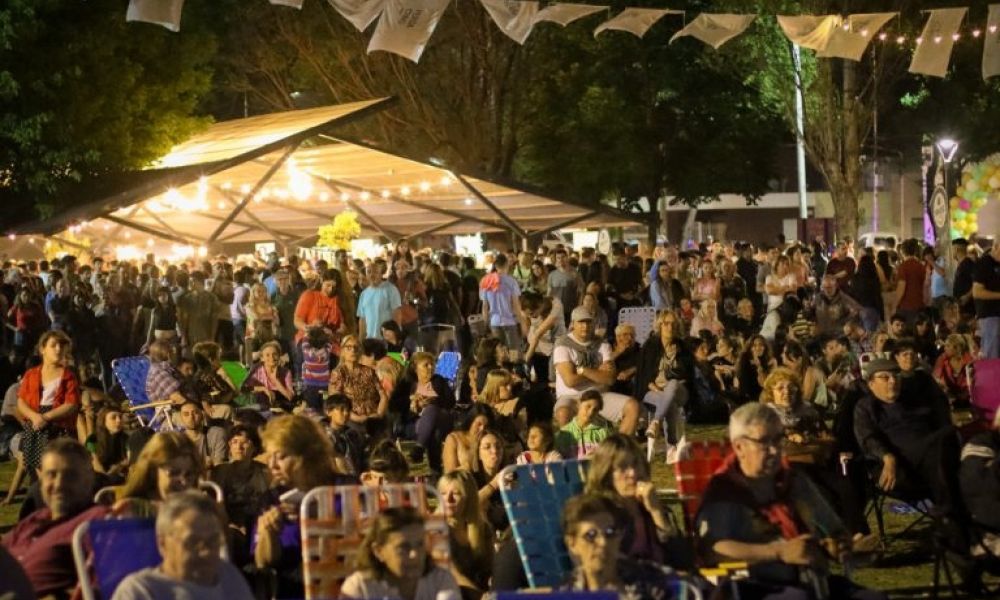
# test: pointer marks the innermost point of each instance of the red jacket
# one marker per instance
(68, 393)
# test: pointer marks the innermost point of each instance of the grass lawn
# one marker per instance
(905, 571)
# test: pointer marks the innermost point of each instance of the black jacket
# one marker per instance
(901, 428)
(649, 365)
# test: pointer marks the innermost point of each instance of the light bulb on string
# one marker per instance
(405, 190)
(976, 33)
(937, 39)
(993, 28)
(12, 237)
(468, 201)
(227, 185)
(955, 36)
(901, 39)
(425, 186)
(365, 195)
(324, 196)
(344, 196)
(385, 193)
(920, 40)
(446, 181)
(864, 33)
(245, 188)
(882, 36)
(31, 240)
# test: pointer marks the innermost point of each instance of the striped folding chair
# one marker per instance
(533, 496)
(334, 520)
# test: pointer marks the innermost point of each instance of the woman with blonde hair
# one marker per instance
(707, 319)
(260, 311)
(169, 463)
(498, 394)
(469, 534)
(300, 457)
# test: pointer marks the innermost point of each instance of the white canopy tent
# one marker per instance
(279, 177)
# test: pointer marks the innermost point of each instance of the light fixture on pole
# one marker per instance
(948, 148)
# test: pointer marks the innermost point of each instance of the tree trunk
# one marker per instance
(845, 209)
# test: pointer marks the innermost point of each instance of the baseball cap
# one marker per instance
(581, 313)
(879, 364)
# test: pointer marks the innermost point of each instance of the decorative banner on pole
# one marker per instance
(166, 13)
(565, 13)
(715, 29)
(515, 18)
(405, 27)
(991, 43)
(636, 21)
(809, 31)
(934, 46)
(291, 3)
(360, 13)
(853, 36)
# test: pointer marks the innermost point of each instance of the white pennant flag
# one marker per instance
(809, 31)
(933, 53)
(715, 29)
(853, 36)
(636, 21)
(406, 26)
(515, 18)
(360, 13)
(991, 43)
(565, 13)
(158, 12)
(290, 3)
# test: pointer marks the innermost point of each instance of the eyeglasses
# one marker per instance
(776, 441)
(593, 533)
(885, 376)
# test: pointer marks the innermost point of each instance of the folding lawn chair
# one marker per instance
(984, 388)
(334, 520)
(131, 373)
(642, 318)
(533, 496)
(238, 374)
(704, 457)
(447, 366)
(110, 550)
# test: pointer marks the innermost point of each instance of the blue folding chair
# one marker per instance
(131, 373)
(533, 496)
(111, 550)
(448, 364)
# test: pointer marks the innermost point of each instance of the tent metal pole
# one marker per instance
(566, 223)
(246, 211)
(436, 228)
(253, 192)
(147, 230)
(159, 220)
(489, 204)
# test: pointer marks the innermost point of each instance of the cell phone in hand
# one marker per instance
(293, 497)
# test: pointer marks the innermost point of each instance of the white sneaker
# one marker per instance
(671, 454)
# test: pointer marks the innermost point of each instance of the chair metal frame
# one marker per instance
(204, 485)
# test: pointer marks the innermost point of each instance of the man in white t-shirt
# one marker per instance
(583, 362)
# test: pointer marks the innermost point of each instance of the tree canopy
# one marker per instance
(83, 92)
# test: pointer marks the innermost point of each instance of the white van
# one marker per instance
(878, 240)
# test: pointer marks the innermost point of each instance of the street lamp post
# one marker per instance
(947, 148)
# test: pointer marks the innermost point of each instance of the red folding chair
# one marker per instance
(694, 472)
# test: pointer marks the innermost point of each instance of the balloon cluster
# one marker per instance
(979, 181)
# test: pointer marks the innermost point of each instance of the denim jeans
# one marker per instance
(989, 334)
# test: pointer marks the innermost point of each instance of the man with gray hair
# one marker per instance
(758, 510)
(189, 535)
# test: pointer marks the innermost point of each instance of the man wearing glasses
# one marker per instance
(912, 445)
(758, 510)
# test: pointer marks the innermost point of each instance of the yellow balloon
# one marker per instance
(971, 218)
(960, 192)
(953, 203)
(966, 177)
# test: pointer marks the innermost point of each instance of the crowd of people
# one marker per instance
(839, 375)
